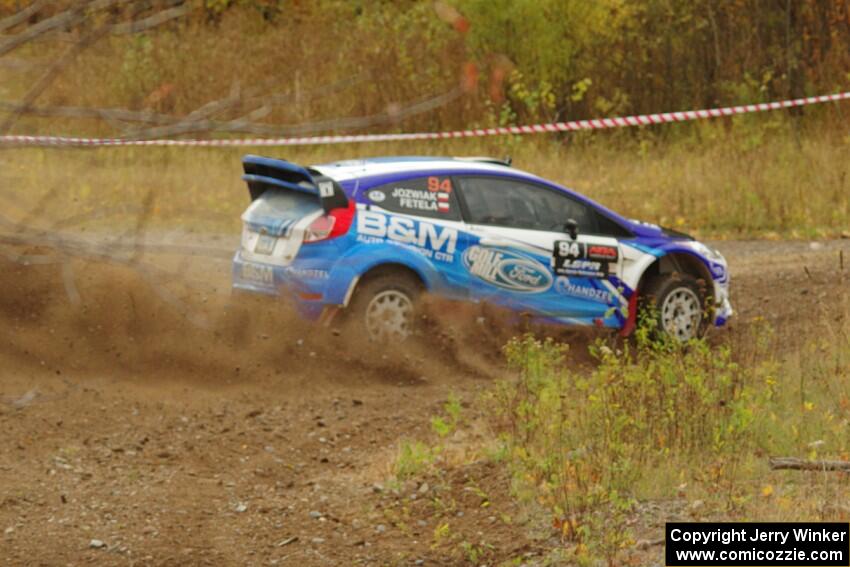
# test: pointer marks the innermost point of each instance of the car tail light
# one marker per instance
(335, 222)
(320, 229)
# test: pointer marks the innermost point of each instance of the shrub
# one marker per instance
(582, 440)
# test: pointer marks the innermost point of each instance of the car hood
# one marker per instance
(650, 230)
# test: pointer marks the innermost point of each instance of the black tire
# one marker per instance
(385, 306)
(678, 304)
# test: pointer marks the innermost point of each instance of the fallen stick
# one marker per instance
(791, 463)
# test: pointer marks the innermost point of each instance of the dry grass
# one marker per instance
(685, 431)
(751, 176)
(729, 184)
(320, 65)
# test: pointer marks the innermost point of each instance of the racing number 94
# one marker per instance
(573, 258)
(436, 184)
(568, 249)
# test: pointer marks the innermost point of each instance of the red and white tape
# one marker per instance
(596, 124)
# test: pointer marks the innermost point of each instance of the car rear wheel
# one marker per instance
(678, 306)
(385, 307)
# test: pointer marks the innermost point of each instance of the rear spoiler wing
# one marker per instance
(262, 174)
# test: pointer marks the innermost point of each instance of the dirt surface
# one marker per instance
(147, 419)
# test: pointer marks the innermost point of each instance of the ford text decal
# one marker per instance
(507, 270)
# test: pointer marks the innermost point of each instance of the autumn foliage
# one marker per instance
(493, 61)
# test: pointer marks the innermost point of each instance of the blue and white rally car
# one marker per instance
(368, 236)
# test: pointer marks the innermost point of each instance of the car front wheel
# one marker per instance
(678, 305)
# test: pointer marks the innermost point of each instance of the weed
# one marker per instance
(442, 533)
(477, 491)
(445, 425)
(413, 458)
(656, 417)
(582, 442)
(475, 553)
(444, 508)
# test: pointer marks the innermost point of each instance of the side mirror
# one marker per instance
(571, 228)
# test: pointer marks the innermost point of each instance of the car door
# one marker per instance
(422, 214)
(520, 256)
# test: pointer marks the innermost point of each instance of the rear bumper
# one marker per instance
(306, 286)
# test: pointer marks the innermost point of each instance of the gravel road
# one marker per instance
(147, 421)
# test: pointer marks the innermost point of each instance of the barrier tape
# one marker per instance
(595, 124)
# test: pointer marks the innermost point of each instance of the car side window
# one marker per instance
(432, 196)
(516, 204)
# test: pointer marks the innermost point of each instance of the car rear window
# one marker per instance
(431, 196)
(281, 204)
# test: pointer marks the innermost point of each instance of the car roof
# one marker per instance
(382, 169)
(379, 166)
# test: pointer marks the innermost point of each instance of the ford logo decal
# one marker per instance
(506, 269)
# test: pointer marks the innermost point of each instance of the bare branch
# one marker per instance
(22, 16)
(78, 14)
(16, 63)
(70, 54)
(63, 19)
(152, 21)
(233, 126)
(267, 103)
(216, 106)
(24, 259)
(119, 114)
(43, 27)
(52, 72)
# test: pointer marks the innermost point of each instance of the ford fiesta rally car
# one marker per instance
(368, 236)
